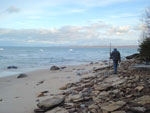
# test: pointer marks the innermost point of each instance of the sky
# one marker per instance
(71, 22)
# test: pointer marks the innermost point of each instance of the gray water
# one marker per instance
(31, 58)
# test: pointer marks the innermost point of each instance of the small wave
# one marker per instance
(41, 50)
(23, 55)
(1, 49)
(70, 49)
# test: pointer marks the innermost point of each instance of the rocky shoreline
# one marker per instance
(104, 92)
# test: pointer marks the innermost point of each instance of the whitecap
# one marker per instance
(70, 49)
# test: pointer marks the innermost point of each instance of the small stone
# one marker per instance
(139, 88)
(118, 112)
(93, 106)
(44, 92)
(41, 95)
(138, 109)
(113, 106)
(115, 91)
(22, 76)
(1, 99)
(102, 87)
(63, 88)
(104, 93)
(58, 110)
(74, 98)
(54, 68)
(142, 100)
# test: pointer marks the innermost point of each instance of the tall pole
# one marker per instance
(109, 54)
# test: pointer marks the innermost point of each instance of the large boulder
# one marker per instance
(136, 55)
(54, 68)
(50, 103)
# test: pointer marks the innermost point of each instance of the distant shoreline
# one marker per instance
(103, 46)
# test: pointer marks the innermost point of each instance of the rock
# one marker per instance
(113, 106)
(12, 67)
(40, 82)
(139, 88)
(132, 56)
(44, 92)
(138, 109)
(140, 67)
(54, 68)
(118, 112)
(63, 88)
(22, 75)
(63, 67)
(93, 106)
(116, 91)
(75, 98)
(50, 103)
(102, 87)
(58, 110)
(91, 63)
(142, 100)
(104, 93)
(41, 95)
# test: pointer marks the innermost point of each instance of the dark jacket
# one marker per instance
(115, 55)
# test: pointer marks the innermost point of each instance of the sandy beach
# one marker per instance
(20, 95)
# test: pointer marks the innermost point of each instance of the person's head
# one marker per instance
(115, 49)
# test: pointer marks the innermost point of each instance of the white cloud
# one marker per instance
(13, 9)
(71, 35)
(86, 3)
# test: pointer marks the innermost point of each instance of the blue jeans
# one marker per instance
(115, 62)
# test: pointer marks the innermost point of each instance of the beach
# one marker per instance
(20, 95)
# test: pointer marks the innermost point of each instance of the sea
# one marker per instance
(33, 58)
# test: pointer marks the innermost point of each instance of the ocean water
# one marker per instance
(32, 58)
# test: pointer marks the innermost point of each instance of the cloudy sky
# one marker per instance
(70, 22)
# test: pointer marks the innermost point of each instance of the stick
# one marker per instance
(110, 54)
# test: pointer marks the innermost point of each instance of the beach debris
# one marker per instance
(50, 103)
(54, 68)
(22, 75)
(12, 67)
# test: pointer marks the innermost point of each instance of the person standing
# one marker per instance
(115, 56)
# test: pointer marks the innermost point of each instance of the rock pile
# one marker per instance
(127, 92)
